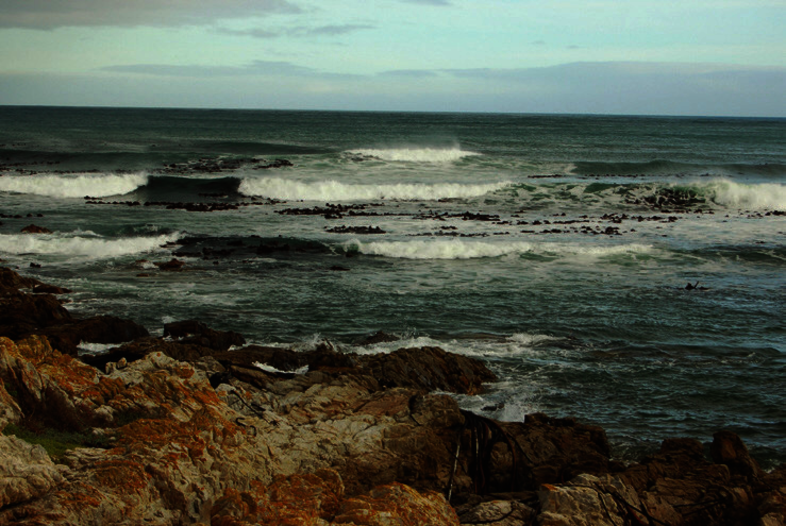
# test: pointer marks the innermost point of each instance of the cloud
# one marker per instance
(50, 14)
(409, 73)
(428, 2)
(298, 31)
(257, 67)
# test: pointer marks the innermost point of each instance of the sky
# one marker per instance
(652, 57)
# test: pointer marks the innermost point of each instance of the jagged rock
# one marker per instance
(727, 448)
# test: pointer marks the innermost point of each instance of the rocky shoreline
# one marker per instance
(182, 430)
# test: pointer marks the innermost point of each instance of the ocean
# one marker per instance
(628, 271)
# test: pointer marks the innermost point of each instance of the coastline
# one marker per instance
(182, 430)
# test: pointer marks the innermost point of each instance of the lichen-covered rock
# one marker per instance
(396, 504)
(589, 501)
(497, 513)
(9, 408)
(26, 472)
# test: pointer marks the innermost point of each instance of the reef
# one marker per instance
(199, 428)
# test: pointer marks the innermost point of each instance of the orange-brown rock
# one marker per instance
(35, 229)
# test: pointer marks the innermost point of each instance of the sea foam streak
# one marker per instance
(422, 155)
(459, 249)
(73, 185)
(81, 245)
(277, 188)
(767, 196)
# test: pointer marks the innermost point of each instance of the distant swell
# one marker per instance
(81, 244)
(459, 249)
(423, 155)
(277, 188)
(664, 167)
(77, 185)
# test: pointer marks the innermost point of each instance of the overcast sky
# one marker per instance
(687, 57)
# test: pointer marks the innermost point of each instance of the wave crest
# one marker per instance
(81, 244)
(766, 196)
(277, 188)
(73, 185)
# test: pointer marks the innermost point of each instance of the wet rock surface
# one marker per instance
(183, 430)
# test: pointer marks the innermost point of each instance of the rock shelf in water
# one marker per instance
(183, 430)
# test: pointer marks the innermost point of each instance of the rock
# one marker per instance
(428, 368)
(589, 500)
(196, 332)
(50, 289)
(34, 229)
(24, 314)
(377, 337)
(9, 409)
(11, 281)
(545, 450)
(678, 485)
(171, 265)
(728, 449)
(396, 504)
(26, 472)
(99, 329)
(497, 513)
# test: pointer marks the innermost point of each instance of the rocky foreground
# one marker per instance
(181, 430)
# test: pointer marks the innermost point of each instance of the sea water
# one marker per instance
(545, 245)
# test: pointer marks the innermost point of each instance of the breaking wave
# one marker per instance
(420, 155)
(459, 249)
(767, 196)
(73, 185)
(81, 244)
(277, 188)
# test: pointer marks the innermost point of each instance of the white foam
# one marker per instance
(766, 196)
(460, 249)
(277, 188)
(73, 185)
(422, 155)
(270, 369)
(81, 245)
